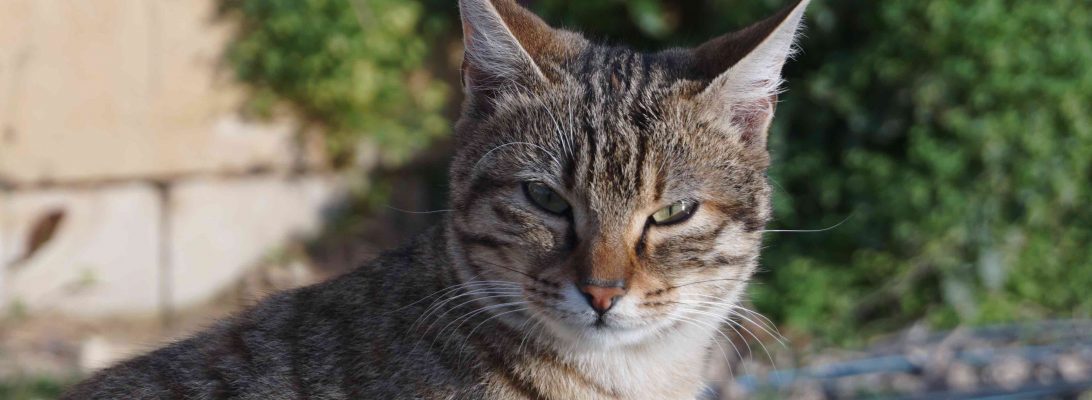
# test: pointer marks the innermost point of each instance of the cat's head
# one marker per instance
(607, 195)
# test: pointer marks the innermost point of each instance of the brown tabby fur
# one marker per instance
(487, 304)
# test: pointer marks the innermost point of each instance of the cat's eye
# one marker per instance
(545, 198)
(676, 212)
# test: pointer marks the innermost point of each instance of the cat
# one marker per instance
(608, 210)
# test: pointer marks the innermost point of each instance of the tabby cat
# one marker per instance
(608, 209)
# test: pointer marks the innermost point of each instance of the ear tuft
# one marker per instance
(505, 46)
(493, 54)
(745, 71)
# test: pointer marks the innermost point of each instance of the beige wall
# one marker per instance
(121, 114)
(109, 89)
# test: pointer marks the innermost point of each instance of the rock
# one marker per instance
(1009, 372)
(809, 390)
(1073, 368)
(962, 377)
(906, 383)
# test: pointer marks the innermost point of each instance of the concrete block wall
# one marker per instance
(129, 183)
(102, 256)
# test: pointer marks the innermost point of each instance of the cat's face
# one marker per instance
(612, 196)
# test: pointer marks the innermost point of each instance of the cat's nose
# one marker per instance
(602, 297)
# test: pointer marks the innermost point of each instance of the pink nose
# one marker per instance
(602, 298)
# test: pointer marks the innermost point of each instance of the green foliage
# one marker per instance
(957, 136)
(360, 72)
(31, 389)
(954, 136)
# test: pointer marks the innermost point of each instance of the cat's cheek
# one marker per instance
(543, 238)
(733, 243)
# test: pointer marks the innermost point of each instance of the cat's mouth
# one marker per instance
(600, 323)
(604, 332)
(568, 317)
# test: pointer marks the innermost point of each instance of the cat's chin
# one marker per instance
(592, 336)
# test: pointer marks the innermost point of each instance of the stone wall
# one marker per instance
(129, 182)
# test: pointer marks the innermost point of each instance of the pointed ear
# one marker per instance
(506, 46)
(745, 72)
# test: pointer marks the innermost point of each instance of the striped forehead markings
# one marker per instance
(617, 117)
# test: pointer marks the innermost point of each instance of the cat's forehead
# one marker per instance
(613, 76)
(614, 138)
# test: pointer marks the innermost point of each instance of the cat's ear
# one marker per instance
(745, 72)
(506, 45)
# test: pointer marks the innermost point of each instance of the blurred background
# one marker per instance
(165, 162)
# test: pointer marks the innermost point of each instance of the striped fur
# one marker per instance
(486, 305)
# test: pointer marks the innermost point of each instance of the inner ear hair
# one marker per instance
(744, 71)
(505, 45)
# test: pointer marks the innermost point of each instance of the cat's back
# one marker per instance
(356, 336)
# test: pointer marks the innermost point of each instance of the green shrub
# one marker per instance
(954, 136)
(357, 72)
(957, 136)
(31, 389)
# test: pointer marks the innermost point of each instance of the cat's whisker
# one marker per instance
(572, 127)
(702, 324)
(450, 289)
(732, 308)
(476, 311)
(491, 264)
(832, 227)
(726, 319)
(524, 329)
(471, 334)
(418, 212)
(527, 334)
(707, 281)
(557, 129)
(488, 153)
(774, 333)
(461, 320)
(759, 341)
(480, 295)
(765, 321)
(470, 313)
(471, 291)
(732, 325)
(468, 286)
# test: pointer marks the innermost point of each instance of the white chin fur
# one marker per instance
(588, 337)
(576, 326)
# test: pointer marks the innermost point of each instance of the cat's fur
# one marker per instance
(487, 304)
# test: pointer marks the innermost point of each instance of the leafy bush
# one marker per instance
(954, 136)
(957, 135)
(31, 389)
(359, 72)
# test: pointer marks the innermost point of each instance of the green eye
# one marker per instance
(676, 212)
(545, 197)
